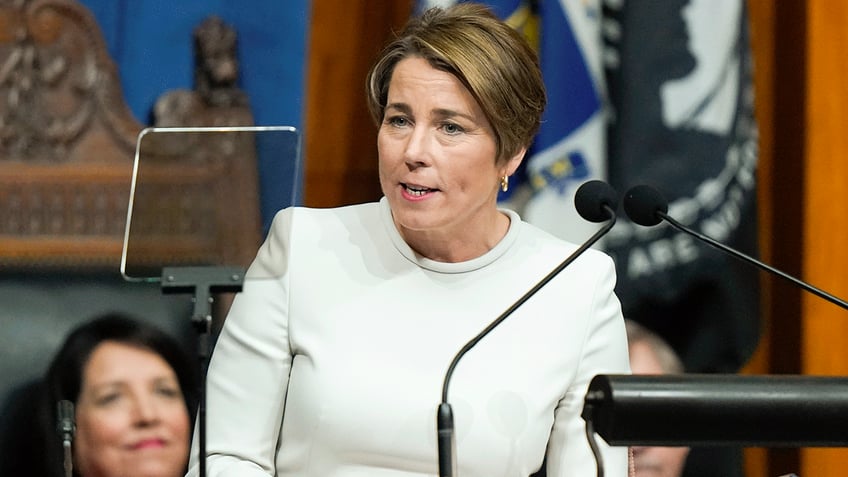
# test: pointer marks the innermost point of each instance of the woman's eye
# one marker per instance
(169, 392)
(452, 128)
(106, 399)
(398, 121)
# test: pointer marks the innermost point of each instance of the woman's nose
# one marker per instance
(417, 151)
(146, 410)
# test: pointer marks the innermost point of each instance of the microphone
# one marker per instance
(66, 427)
(595, 201)
(645, 205)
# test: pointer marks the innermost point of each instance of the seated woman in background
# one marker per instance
(132, 387)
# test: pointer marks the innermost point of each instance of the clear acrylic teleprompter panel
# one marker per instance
(195, 195)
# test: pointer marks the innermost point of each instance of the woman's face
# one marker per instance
(437, 154)
(130, 415)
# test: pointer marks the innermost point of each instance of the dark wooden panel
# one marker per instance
(339, 137)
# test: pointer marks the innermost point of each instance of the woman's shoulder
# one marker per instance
(554, 246)
(310, 230)
(326, 216)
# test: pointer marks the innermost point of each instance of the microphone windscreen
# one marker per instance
(65, 417)
(592, 197)
(641, 204)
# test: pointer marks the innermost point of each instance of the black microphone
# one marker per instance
(66, 427)
(645, 205)
(595, 201)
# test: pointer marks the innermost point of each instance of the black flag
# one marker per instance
(679, 77)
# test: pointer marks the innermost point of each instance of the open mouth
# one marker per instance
(417, 191)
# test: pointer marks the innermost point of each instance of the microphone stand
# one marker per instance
(66, 427)
(202, 282)
(444, 416)
(739, 255)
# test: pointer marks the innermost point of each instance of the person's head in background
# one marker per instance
(133, 390)
(650, 354)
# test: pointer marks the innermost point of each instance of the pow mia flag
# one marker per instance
(681, 119)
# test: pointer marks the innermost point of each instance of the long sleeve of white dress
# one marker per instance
(248, 375)
(331, 360)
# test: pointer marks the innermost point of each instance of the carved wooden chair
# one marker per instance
(67, 141)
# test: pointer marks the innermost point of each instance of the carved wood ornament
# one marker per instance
(67, 143)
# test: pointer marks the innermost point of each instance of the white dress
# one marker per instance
(332, 359)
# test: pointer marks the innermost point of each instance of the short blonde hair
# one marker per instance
(493, 61)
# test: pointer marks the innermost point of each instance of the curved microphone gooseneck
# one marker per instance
(595, 201)
(645, 205)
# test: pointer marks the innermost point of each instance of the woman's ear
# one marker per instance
(512, 163)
